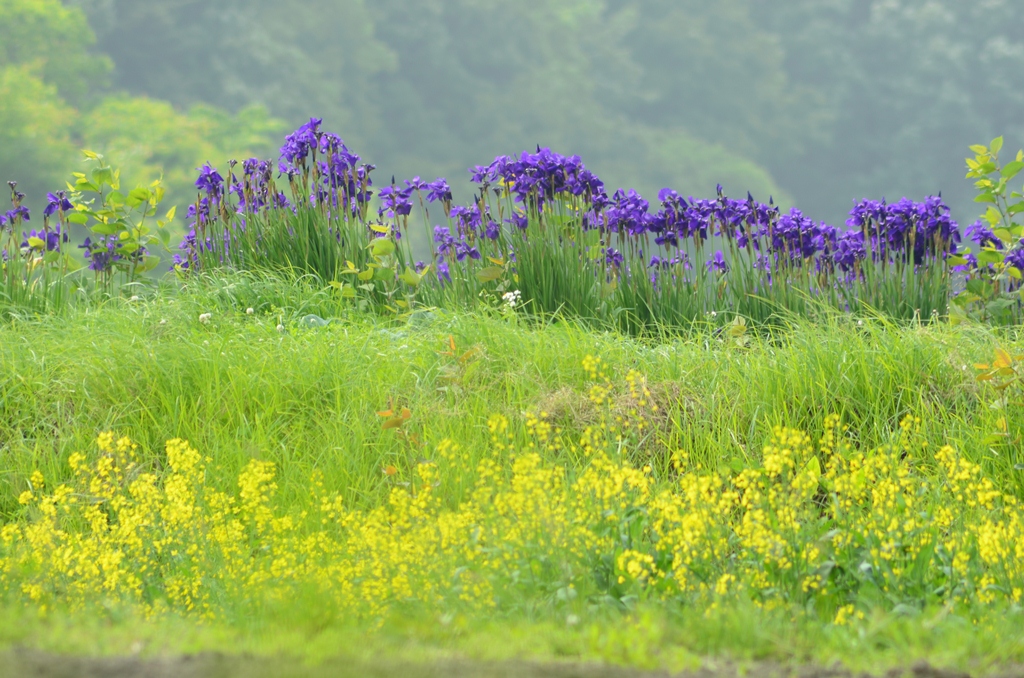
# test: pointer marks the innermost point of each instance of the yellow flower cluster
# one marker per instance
(821, 527)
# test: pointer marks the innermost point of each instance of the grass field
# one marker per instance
(504, 488)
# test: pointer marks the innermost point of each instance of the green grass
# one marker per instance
(306, 397)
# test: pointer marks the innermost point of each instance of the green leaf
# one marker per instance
(348, 292)
(954, 260)
(105, 229)
(410, 277)
(489, 274)
(366, 275)
(992, 216)
(978, 287)
(813, 468)
(78, 218)
(36, 243)
(165, 237)
(985, 198)
(137, 197)
(1012, 169)
(979, 149)
(382, 247)
(115, 198)
(148, 263)
(997, 145)
(990, 256)
(102, 176)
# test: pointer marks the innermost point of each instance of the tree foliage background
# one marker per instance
(817, 102)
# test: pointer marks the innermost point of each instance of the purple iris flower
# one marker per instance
(52, 239)
(493, 230)
(443, 274)
(981, 234)
(613, 258)
(209, 180)
(718, 263)
(18, 213)
(57, 202)
(439, 191)
(520, 221)
(395, 201)
(415, 184)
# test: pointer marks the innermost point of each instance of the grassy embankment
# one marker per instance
(306, 398)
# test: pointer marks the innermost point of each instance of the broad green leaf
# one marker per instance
(410, 277)
(348, 292)
(997, 145)
(380, 228)
(978, 287)
(149, 263)
(979, 149)
(115, 198)
(382, 247)
(985, 198)
(105, 229)
(170, 213)
(137, 197)
(102, 176)
(36, 243)
(990, 256)
(1012, 169)
(78, 218)
(366, 275)
(489, 274)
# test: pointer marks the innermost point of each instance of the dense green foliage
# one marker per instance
(55, 98)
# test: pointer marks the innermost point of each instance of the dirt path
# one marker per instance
(31, 664)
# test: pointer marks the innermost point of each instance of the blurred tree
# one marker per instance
(295, 58)
(149, 139)
(45, 63)
(59, 40)
(428, 88)
(474, 80)
(714, 70)
(910, 84)
(35, 133)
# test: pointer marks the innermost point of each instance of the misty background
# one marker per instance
(814, 102)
